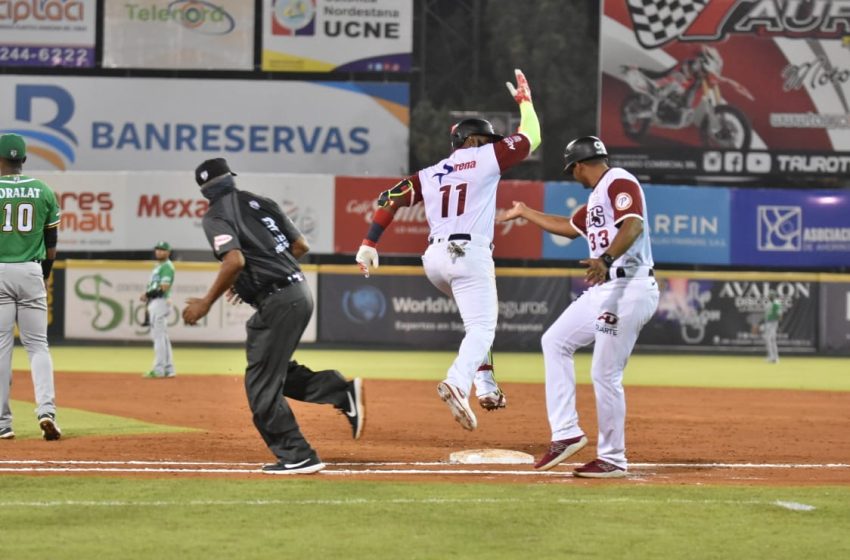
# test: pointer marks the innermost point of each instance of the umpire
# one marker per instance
(259, 248)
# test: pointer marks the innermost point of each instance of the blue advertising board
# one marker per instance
(563, 198)
(791, 228)
(688, 225)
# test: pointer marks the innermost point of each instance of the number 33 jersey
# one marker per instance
(616, 196)
(460, 191)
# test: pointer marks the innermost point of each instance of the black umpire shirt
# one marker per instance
(259, 228)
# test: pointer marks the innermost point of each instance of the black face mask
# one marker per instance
(221, 187)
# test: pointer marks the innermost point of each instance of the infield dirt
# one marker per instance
(407, 422)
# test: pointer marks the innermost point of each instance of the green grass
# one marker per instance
(82, 517)
(679, 370)
(79, 423)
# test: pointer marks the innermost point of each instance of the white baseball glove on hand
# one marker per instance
(367, 257)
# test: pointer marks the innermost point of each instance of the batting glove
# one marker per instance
(367, 257)
(521, 92)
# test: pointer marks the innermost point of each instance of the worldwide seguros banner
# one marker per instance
(687, 224)
(174, 124)
(791, 228)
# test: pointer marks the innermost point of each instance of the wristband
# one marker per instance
(607, 259)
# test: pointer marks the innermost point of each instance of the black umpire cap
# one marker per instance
(211, 169)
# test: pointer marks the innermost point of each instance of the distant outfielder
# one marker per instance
(459, 194)
(623, 296)
(158, 308)
(29, 221)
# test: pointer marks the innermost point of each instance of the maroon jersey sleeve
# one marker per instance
(579, 220)
(416, 196)
(625, 199)
(511, 150)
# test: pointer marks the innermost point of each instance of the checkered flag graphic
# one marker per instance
(658, 21)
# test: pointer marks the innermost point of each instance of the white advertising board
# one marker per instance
(337, 35)
(102, 303)
(136, 124)
(104, 211)
(47, 33)
(188, 34)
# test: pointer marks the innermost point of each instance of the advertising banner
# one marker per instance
(357, 198)
(186, 34)
(102, 124)
(835, 317)
(729, 314)
(727, 87)
(407, 311)
(688, 225)
(55, 306)
(47, 33)
(791, 228)
(132, 211)
(337, 35)
(102, 303)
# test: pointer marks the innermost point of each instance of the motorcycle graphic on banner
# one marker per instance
(687, 94)
(744, 88)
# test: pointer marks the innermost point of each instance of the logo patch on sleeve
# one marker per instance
(623, 201)
(220, 241)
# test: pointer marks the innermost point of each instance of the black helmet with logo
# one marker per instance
(468, 127)
(583, 149)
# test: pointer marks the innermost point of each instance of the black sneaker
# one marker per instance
(308, 466)
(49, 429)
(7, 433)
(355, 409)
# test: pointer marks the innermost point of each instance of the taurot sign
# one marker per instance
(356, 200)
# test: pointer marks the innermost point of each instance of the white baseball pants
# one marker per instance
(23, 299)
(159, 310)
(611, 316)
(470, 278)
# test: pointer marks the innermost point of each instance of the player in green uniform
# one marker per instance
(29, 224)
(158, 310)
(772, 315)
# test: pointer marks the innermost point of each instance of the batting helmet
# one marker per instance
(467, 127)
(583, 149)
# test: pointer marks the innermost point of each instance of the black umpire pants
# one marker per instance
(273, 334)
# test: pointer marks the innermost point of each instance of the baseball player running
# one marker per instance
(29, 221)
(459, 194)
(622, 297)
(158, 310)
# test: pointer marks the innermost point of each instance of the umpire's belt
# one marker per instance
(277, 286)
(471, 237)
(633, 272)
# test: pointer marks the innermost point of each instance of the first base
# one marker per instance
(490, 457)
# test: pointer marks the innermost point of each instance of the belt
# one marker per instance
(621, 273)
(452, 237)
(277, 286)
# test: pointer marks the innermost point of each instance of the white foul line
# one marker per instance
(354, 469)
(794, 506)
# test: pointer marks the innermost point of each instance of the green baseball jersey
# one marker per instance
(773, 311)
(162, 273)
(27, 206)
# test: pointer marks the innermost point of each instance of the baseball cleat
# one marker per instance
(49, 429)
(559, 451)
(7, 433)
(599, 469)
(458, 403)
(307, 466)
(355, 407)
(493, 400)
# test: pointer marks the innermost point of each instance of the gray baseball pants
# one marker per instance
(159, 310)
(23, 300)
